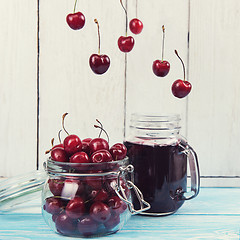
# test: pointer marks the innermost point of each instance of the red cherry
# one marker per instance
(99, 195)
(58, 146)
(161, 68)
(75, 208)
(56, 186)
(95, 182)
(136, 26)
(65, 225)
(118, 151)
(101, 156)
(112, 222)
(126, 44)
(181, 88)
(72, 144)
(98, 144)
(99, 63)
(79, 157)
(53, 205)
(87, 226)
(85, 145)
(76, 20)
(116, 205)
(59, 154)
(100, 212)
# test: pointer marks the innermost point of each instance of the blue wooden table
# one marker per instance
(214, 214)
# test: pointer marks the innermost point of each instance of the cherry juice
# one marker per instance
(160, 172)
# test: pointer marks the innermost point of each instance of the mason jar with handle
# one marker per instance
(160, 156)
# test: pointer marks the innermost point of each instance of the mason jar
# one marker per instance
(89, 199)
(160, 156)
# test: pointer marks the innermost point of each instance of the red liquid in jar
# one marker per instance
(160, 172)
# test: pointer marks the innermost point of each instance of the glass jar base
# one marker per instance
(156, 214)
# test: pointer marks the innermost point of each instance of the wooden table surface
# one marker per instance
(214, 214)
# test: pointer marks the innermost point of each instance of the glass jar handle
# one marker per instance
(194, 171)
(144, 206)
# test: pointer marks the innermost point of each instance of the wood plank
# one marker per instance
(18, 62)
(214, 104)
(66, 80)
(147, 93)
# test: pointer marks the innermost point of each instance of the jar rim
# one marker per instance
(142, 117)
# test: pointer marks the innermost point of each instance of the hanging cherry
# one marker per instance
(126, 43)
(161, 67)
(99, 63)
(181, 88)
(135, 25)
(75, 20)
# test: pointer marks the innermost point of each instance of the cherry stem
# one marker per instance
(126, 16)
(184, 72)
(101, 127)
(96, 126)
(59, 137)
(136, 8)
(74, 9)
(52, 142)
(63, 117)
(96, 21)
(163, 39)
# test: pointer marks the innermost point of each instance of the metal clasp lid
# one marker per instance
(121, 193)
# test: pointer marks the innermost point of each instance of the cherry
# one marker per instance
(65, 225)
(85, 145)
(99, 195)
(99, 63)
(60, 145)
(181, 88)
(100, 212)
(75, 20)
(72, 144)
(79, 157)
(98, 144)
(56, 186)
(59, 154)
(53, 205)
(136, 26)
(126, 44)
(160, 67)
(101, 156)
(118, 151)
(112, 222)
(87, 226)
(116, 205)
(75, 208)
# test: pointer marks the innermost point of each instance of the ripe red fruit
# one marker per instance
(112, 222)
(116, 205)
(181, 89)
(136, 26)
(76, 20)
(53, 205)
(126, 44)
(65, 225)
(161, 68)
(99, 63)
(56, 186)
(79, 157)
(118, 151)
(87, 226)
(85, 145)
(59, 154)
(100, 212)
(72, 144)
(98, 144)
(75, 208)
(101, 156)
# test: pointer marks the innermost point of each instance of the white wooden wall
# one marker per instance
(44, 72)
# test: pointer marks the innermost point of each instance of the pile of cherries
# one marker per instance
(86, 205)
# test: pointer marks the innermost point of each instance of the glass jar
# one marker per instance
(159, 156)
(89, 199)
